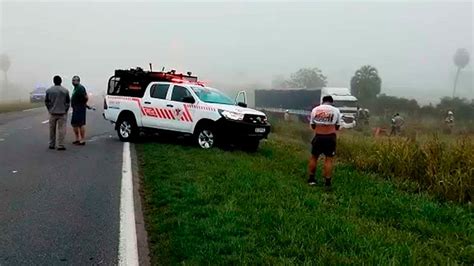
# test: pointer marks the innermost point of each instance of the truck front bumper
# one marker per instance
(235, 130)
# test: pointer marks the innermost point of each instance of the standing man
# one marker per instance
(286, 116)
(325, 121)
(397, 124)
(449, 121)
(79, 105)
(366, 116)
(57, 101)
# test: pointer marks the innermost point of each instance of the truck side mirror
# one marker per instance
(241, 97)
(241, 104)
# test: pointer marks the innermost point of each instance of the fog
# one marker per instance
(242, 44)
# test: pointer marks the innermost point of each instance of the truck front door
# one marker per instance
(156, 112)
(182, 115)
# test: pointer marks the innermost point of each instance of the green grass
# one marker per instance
(17, 106)
(442, 164)
(219, 207)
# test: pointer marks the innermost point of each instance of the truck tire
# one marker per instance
(127, 129)
(205, 136)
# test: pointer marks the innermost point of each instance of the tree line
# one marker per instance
(366, 85)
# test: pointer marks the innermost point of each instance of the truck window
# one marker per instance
(114, 86)
(209, 95)
(126, 87)
(159, 91)
(339, 104)
(179, 93)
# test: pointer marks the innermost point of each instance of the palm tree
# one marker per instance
(366, 83)
(461, 60)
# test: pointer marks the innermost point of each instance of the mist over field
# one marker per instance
(240, 45)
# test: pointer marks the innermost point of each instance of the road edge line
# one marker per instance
(32, 109)
(142, 235)
(128, 251)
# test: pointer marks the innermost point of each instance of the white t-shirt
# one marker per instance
(325, 114)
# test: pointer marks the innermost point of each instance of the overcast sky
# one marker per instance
(410, 43)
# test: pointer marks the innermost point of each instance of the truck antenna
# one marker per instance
(151, 68)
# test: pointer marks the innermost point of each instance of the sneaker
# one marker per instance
(82, 143)
(311, 181)
(61, 148)
(52, 147)
(76, 142)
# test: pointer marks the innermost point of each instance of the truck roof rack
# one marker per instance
(134, 81)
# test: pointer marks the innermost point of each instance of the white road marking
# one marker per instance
(32, 109)
(128, 250)
(45, 122)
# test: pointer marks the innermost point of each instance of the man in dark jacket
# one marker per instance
(57, 101)
(79, 105)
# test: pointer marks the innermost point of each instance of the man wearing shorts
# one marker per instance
(325, 121)
(79, 105)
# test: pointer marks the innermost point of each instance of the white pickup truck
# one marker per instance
(140, 100)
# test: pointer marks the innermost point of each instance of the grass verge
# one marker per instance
(17, 106)
(218, 207)
(442, 164)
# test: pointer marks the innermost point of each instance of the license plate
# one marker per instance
(260, 130)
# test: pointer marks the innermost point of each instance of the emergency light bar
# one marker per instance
(139, 75)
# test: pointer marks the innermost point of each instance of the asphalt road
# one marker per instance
(58, 207)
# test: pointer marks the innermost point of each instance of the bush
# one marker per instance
(388, 105)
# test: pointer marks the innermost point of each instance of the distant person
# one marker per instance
(366, 113)
(79, 106)
(325, 121)
(286, 116)
(449, 121)
(358, 113)
(362, 117)
(57, 101)
(397, 124)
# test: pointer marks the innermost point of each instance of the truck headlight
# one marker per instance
(231, 115)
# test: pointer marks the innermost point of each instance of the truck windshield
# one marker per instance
(345, 104)
(210, 95)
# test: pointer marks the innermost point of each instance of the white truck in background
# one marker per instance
(300, 102)
(345, 102)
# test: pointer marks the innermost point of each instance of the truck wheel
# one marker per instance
(205, 137)
(251, 145)
(127, 129)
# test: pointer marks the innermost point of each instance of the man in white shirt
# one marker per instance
(325, 121)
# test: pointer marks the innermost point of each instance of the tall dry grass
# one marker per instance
(440, 164)
(444, 167)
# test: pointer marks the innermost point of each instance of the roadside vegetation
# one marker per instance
(221, 207)
(17, 106)
(441, 164)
